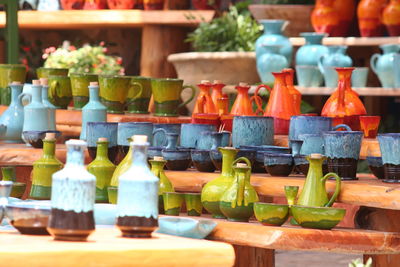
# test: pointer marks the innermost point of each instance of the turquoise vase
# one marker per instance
(51, 108)
(270, 62)
(337, 57)
(273, 35)
(310, 53)
(383, 65)
(93, 111)
(36, 114)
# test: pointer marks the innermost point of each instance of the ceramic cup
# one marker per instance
(389, 144)
(10, 73)
(167, 96)
(202, 160)
(139, 95)
(252, 131)
(114, 90)
(193, 204)
(397, 70)
(278, 164)
(190, 133)
(128, 129)
(209, 140)
(359, 77)
(80, 87)
(375, 165)
(46, 72)
(369, 125)
(271, 214)
(309, 76)
(159, 137)
(96, 130)
(60, 92)
(172, 203)
(342, 149)
(291, 194)
(312, 143)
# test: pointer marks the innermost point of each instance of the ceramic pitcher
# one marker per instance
(296, 95)
(271, 61)
(337, 57)
(383, 65)
(217, 92)
(51, 109)
(165, 185)
(10, 73)
(36, 114)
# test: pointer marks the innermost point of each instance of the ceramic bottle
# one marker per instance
(217, 92)
(369, 14)
(391, 17)
(346, 9)
(165, 185)
(103, 169)
(383, 65)
(44, 168)
(213, 190)
(269, 62)
(237, 201)
(273, 35)
(35, 113)
(94, 110)
(309, 54)
(296, 95)
(72, 197)
(13, 116)
(243, 103)
(325, 18)
(204, 103)
(137, 205)
(51, 109)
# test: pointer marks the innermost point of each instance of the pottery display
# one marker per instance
(243, 103)
(383, 65)
(391, 17)
(80, 83)
(60, 92)
(369, 14)
(271, 214)
(102, 168)
(10, 73)
(278, 164)
(252, 130)
(258, 166)
(312, 143)
(159, 138)
(202, 160)
(51, 109)
(308, 76)
(72, 4)
(204, 103)
(193, 204)
(296, 95)
(369, 125)
(46, 72)
(94, 110)
(128, 129)
(167, 96)
(389, 144)
(324, 218)
(190, 133)
(96, 130)
(336, 57)
(359, 79)
(8, 174)
(346, 9)
(165, 185)
(375, 165)
(177, 159)
(139, 95)
(237, 202)
(270, 62)
(114, 91)
(209, 140)
(13, 117)
(35, 138)
(325, 18)
(138, 194)
(172, 203)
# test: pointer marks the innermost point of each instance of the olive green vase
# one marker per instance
(10, 73)
(80, 88)
(139, 95)
(60, 92)
(114, 91)
(9, 174)
(165, 185)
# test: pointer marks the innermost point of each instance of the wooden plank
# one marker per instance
(351, 41)
(253, 257)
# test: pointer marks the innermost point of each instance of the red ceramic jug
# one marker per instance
(204, 103)
(296, 95)
(369, 13)
(217, 91)
(346, 9)
(243, 103)
(324, 18)
(391, 17)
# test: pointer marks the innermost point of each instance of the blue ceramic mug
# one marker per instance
(252, 131)
(190, 133)
(389, 144)
(96, 130)
(309, 76)
(331, 76)
(159, 137)
(128, 129)
(209, 140)
(312, 143)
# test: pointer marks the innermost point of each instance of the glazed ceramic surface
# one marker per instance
(159, 138)
(308, 76)
(317, 217)
(243, 103)
(165, 185)
(10, 73)
(190, 133)
(204, 103)
(375, 165)
(35, 138)
(172, 203)
(209, 140)
(8, 174)
(389, 144)
(46, 72)
(342, 144)
(269, 62)
(177, 160)
(51, 109)
(310, 53)
(369, 14)
(391, 17)
(60, 92)
(5, 190)
(296, 95)
(96, 130)
(128, 129)
(271, 214)
(186, 227)
(80, 88)
(122, 167)
(36, 113)
(252, 130)
(193, 204)
(114, 91)
(202, 160)
(312, 143)
(337, 57)
(383, 65)
(325, 18)
(359, 78)
(138, 98)
(397, 71)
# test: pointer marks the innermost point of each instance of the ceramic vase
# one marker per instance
(243, 103)
(165, 185)
(269, 62)
(95, 4)
(313, 49)
(138, 98)
(102, 168)
(10, 73)
(121, 4)
(391, 17)
(383, 65)
(369, 14)
(72, 198)
(296, 95)
(93, 111)
(36, 113)
(204, 102)
(60, 92)
(325, 18)
(137, 206)
(80, 83)
(51, 109)
(217, 92)
(346, 9)
(43, 170)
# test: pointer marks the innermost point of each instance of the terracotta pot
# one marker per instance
(72, 4)
(121, 4)
(391, 17)
(369, 13)
(95, 4)
(346, 9)
(325, 18)
(206, 4)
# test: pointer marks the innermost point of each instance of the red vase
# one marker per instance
(72, 4)
(369, 13)
(391, 17)
(217, 91)
(346, 9)
(325, 18)
(95, 4)
(206, 4)
(296, 95)
(121, 4)
(243, 103)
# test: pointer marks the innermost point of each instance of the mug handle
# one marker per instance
(374, 61)
(164, 132)
(257, 99)
(191, 97)
(53, 89)
(246, 160)
(22, 96)
(342, 126)
(337, 188)
(320, 64)
(134, 84)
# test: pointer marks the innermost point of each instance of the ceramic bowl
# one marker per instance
(18, 190)
(375, 164)
(258, 166)
(29, 218)
(202, 160)
(216, 158)
(278, 164)
(271, 214)
(317, 217)
(185, 227)
(112, 194)
(34, 138)
(177, 160)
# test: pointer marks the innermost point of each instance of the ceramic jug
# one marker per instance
(346, 9)
(204, 103)
(296, 95)
(94, 110)
(243, 103)
(103, 169)
(325, 18)
(165, 185)
(73, 196)
(35, 113)
(137, 205)
(337, 57)
(13, 116)
(44, 168)
(314, 193)
(51, 109)
(213, 190)
(310, 53)
(383, 65)
(273, 35)
(217, 92)
(237, 201)
(269, 62)
(369, 14)
(391, 17)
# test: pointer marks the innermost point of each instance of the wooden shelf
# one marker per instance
(351, 41)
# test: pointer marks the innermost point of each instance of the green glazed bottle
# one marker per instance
(18, 189)
(103, 169)
(237, 202)
(165, 185)
(44, 168)
(213, 190)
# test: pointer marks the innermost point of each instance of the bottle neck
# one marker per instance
(36, 93)
(75, 155)
(227, 159)
(45, 93)
(314, 39)
(139, 154)
(49, 148)
(16, 90)
(157, 165)
(102, 150)
(94, 93)
(273, 27)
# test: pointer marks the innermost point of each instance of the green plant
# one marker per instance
(359, 263)
(233, 31)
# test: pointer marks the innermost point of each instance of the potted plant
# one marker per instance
(223, 50)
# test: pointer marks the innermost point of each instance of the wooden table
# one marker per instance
(106, 248)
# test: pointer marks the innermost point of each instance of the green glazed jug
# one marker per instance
(103, 169)
(165, 185)
(314, 192)
(18, 189)
(213, 190)
(237, 202)
(44, 168)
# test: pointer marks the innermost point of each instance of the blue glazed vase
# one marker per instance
(50, 107)
(310, 53)
(93, 111)
(36, 114)
(190, 133)
(273, 35)
(252, 131)
(383, 65)
(269, 62)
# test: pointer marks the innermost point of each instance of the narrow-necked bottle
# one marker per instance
(35, 113)
(51, 109)
(103, 169)
(94, 110)
(165, 185)
(44, 168)
(137, 207)
(73, 197)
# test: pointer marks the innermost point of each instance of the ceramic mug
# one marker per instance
(10, 73)
(96, 130)
(114, 90)
(389, 144)
(46, 72)
(209, 140)
(309, 76)
(359, 78)
(139, 95)
(159, 138)
(190, 133)
(60, 92)
(128, 129)
(312, 143)
(80, 87)
(167, 96)
(252, 131)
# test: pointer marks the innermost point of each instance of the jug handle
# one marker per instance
(374, 61)
(342, 126)
(164, 133)
(337, 188)
(257, 99)
(22, 95)
(134, 84)
(246, 160)
(320, 64)
(191, 97)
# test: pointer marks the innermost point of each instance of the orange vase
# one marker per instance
(217, 91)
(324, 18)
(344, 105)
(243, 103)
(296, 95)
(369, 13)
(391, 17)
(204, 103)
(346, 9)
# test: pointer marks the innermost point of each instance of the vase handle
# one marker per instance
(257, 99)
(136, 84)
(246, 160)
(321, 64)
(374, 61)
(21, 96)
(337, 188)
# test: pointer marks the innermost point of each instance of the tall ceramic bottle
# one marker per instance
(391, 17)
(383, 65)
(103, 169)
(369, 14)
(165, 185)
(269, 62)
(35, 113)
(44, 168)
(50, 107)
(13, 116)
(325, 18)
(137, 207)
(72, 197)
(94, 110)
(309, 54)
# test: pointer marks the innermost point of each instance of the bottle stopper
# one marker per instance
(35, 82)
(102, 139)
(316, 156)
(16, 83)
(140, 139)
(241, 165)
(217, 82)
(242, 84)
(205, 82)
(93, 84)
(50, 136)
(158, 158)
(44, 81)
